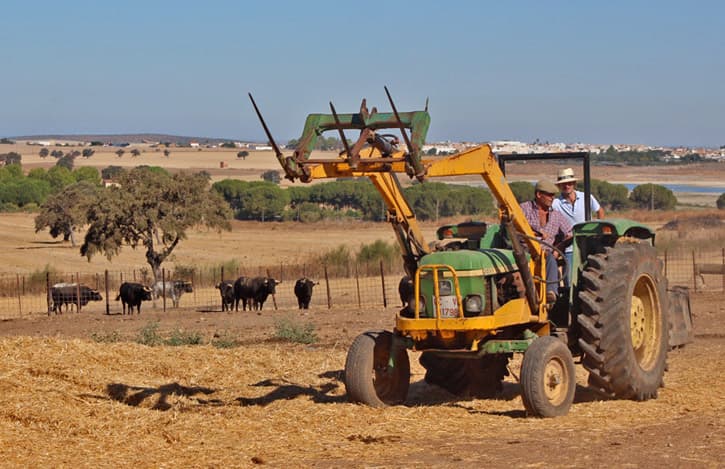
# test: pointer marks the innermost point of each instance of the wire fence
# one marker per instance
(346, 285)
(353, 285)
(702, 270)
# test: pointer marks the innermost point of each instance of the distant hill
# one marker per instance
(116, 139)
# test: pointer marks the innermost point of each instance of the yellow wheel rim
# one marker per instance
(645, 322)
(555, 381)
(637, 322)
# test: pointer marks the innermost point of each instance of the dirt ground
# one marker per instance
(67, 399)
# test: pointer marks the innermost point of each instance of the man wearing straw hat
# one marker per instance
(551, 227)
(570, 203)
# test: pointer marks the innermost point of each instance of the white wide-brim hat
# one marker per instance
(565, 175)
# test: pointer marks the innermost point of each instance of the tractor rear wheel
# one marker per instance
(376, 372)
(548, 379)
(623, 319)
(466, 377)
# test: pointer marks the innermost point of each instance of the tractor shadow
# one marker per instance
(136, 395)
(424, 394)
(420, 394)
(283, 390)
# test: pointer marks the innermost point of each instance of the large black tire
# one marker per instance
(548, 378)
(624, 323)
(371, 377)
(465, 377)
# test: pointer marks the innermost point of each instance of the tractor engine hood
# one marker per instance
(483, 262)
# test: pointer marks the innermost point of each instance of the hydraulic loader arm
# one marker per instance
(479, 160)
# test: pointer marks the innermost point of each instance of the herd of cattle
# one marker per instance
(252, 292)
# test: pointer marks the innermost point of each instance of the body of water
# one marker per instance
(685, 188)
(630, 186)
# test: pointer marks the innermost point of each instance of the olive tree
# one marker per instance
(653, 196)
(65, 212)
(152, 210)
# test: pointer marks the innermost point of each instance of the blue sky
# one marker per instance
(594, 72)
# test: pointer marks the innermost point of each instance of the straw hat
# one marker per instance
(565, 175)
(544, 185)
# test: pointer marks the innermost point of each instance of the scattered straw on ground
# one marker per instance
(72, 402)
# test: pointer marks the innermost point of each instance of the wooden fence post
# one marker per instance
(327, 283)
(47, 290)
(17, 289)
(694, 272)
(382, 278)
(78, 292)
(723, 269)
(274, 300)
(163, 287)
(357, 281)
(108, 304)
(665, 263)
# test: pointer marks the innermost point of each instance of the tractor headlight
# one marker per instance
(445, 288)
(473, 304)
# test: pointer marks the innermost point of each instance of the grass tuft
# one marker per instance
(179, 337)
(291, 330)
(149, 335)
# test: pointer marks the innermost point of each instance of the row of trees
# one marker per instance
(614, 197)
(635, 157)
(20, 191)
(264, 200)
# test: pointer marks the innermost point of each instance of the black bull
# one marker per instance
(253, 291)
(303, 292)
(78, 295)
(131, 295)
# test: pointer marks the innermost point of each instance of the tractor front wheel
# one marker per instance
(377, 371)
(548, 378)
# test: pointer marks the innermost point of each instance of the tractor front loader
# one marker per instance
(479, 292)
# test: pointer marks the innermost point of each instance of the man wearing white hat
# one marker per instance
(570, 203)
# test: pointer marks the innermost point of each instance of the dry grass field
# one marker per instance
(78, 390)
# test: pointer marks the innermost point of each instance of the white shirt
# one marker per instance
(574, 211)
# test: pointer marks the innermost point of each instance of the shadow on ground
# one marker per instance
(136, 395)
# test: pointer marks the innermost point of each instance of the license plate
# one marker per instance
(449, 306)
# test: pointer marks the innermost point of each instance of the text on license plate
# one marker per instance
(449, 306)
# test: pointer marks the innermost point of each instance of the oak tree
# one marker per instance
(152, 210)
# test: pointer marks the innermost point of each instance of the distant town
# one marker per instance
(434, 148)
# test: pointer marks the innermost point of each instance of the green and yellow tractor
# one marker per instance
(477, 295)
